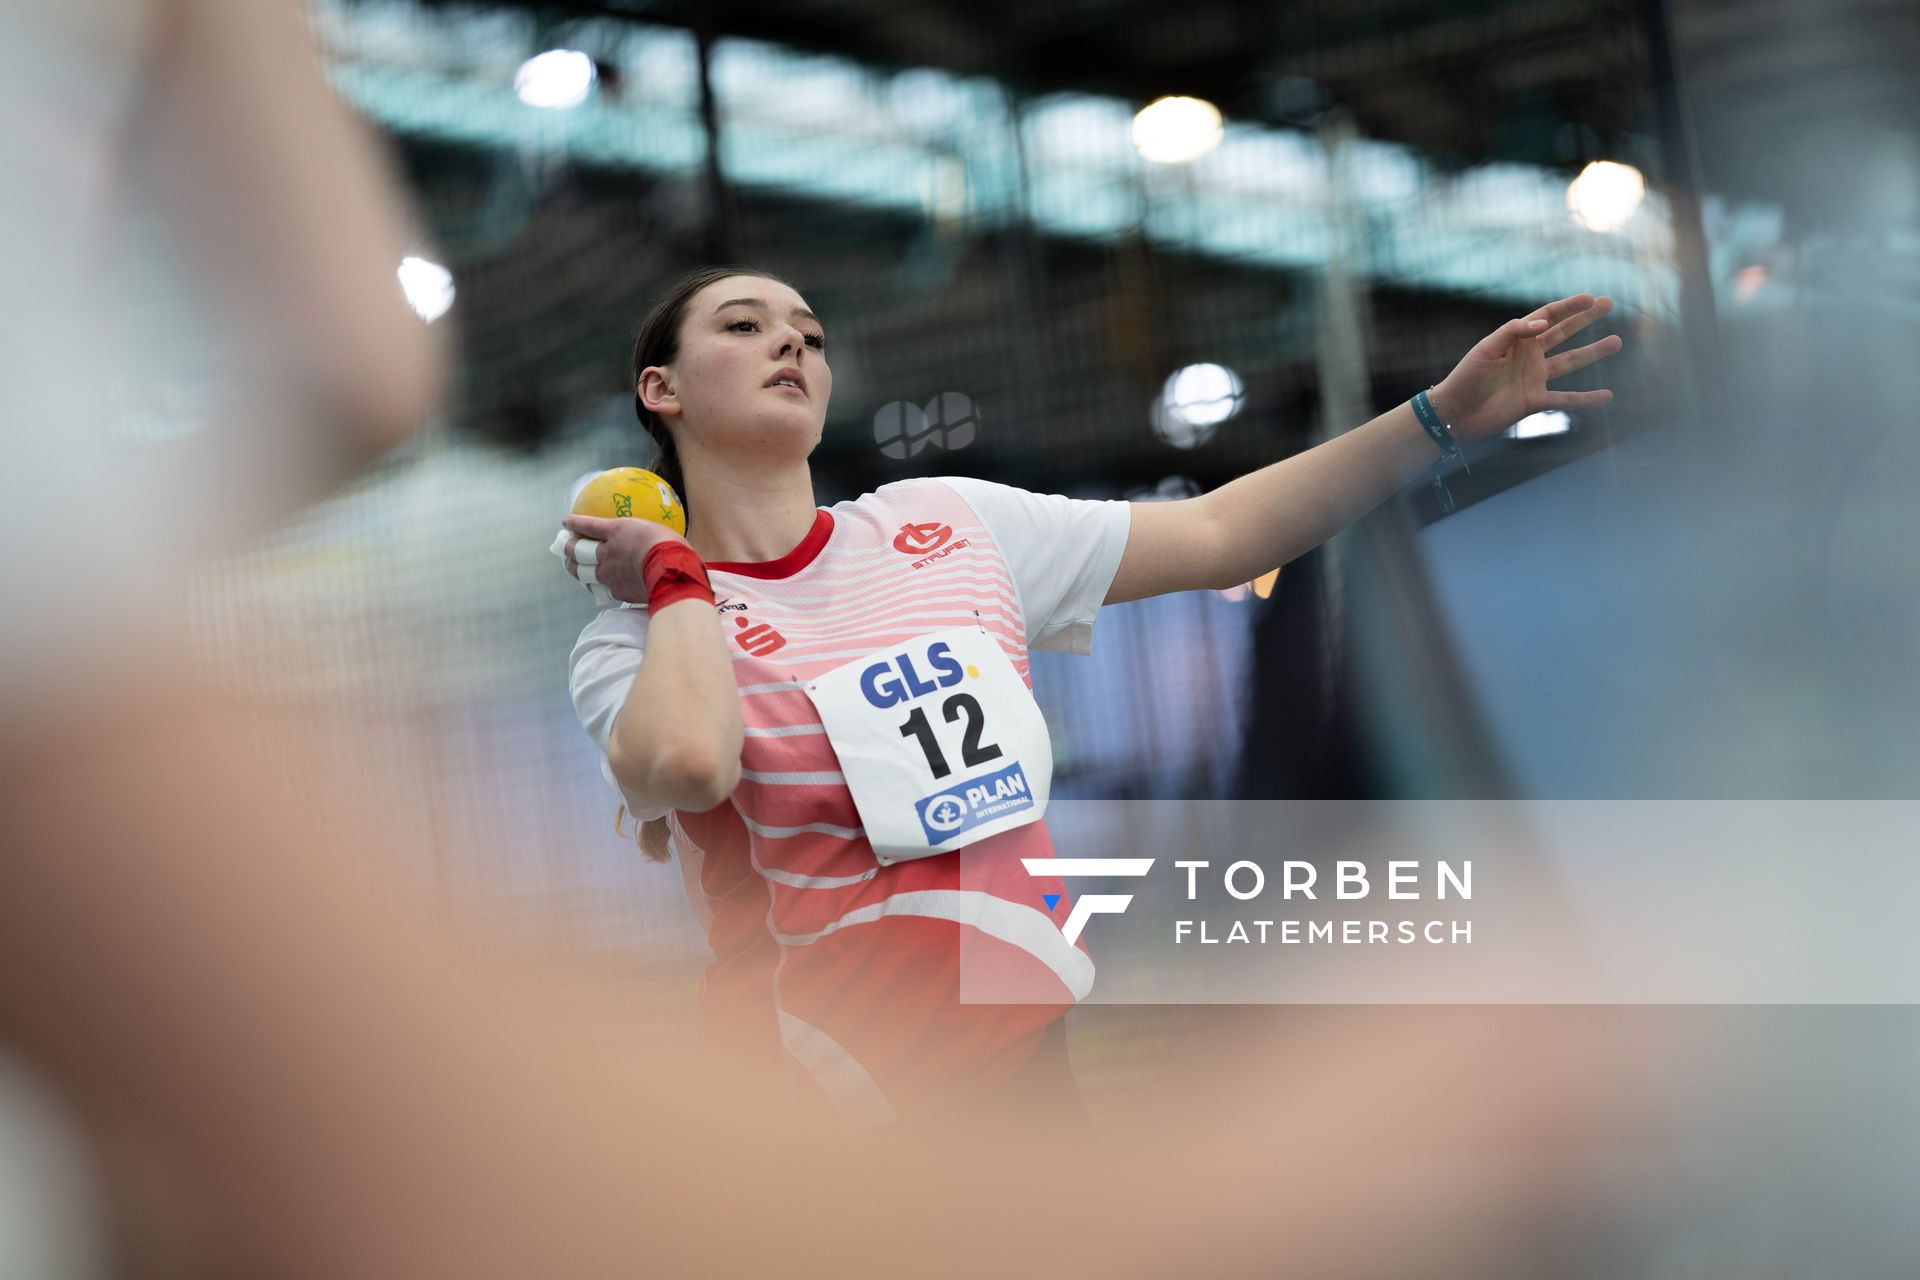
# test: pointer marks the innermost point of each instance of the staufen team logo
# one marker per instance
(929, 540)
(919, 539)
(1092, 904)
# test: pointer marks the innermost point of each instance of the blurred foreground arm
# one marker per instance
(281, 199)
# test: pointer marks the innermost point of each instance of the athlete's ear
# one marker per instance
(656, 392)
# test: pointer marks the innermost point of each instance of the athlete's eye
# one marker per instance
(818, 341)
(751, 324)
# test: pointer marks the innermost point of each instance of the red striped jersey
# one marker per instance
(851, 970)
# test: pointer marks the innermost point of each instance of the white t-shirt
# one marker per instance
(1060, 552)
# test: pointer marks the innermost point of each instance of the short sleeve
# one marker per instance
(1062, 552)
(605, 660)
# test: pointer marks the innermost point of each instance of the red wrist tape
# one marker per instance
(674, 571)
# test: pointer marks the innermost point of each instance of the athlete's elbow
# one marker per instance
(694, 778)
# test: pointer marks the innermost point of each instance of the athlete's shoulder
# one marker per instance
(898, 491)
(620, 624)
(914, 500)
(935, 489)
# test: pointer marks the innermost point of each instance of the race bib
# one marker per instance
(940, 742)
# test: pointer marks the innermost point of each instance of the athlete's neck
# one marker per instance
(746, 515)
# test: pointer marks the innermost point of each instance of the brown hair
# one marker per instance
(658, 342)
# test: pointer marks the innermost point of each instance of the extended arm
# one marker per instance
(1270, 516)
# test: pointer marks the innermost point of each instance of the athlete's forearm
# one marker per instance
(1270, 516)
(677, 737)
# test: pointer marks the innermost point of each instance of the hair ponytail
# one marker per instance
(665, 463)
(652, 839)
(651, 835)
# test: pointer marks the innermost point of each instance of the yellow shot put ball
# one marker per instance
(632, 491)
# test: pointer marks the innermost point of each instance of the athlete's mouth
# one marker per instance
(788, 377)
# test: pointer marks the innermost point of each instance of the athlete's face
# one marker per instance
(752, 369)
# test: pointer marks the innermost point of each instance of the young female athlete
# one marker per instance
(788, 693)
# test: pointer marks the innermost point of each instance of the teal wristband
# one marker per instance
(1441, 435)
(1430, 419)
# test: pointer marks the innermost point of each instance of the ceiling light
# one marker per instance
(556, 78)
(1549, 422)
(428, 286)
(1176, 130)
(1606, 195)
(1194, 401)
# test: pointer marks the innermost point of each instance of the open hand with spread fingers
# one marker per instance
(1504, 378)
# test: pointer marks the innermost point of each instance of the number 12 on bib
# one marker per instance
(940, 742)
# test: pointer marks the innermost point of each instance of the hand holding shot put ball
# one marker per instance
(619, 519)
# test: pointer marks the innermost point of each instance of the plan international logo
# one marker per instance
(947, 813)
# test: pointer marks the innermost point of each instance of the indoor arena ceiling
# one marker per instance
(1444, 77)
(554, 259)
(1496, 79)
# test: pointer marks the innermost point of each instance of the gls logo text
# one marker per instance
(896, 680)
(1091, 904)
